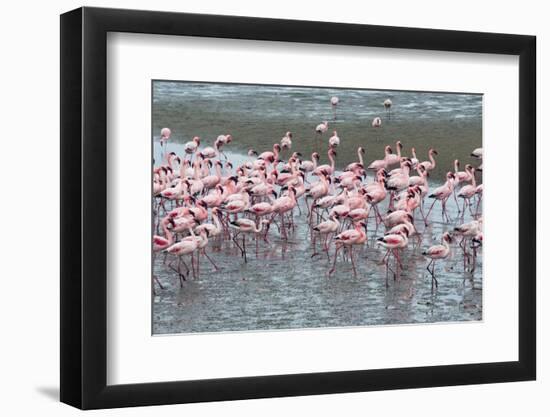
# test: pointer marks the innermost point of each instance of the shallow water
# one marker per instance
(258, 116)
(281, 286)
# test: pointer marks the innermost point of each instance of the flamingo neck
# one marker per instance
(432, 160)
(360, 156)
(167, 232)
(217, 222)
(473, 179)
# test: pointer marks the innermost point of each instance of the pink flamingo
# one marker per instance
(468, 231)
(414, 159)
(393, 243)
(357, 165)
(283, 205)
(246, 226)
(381, 163)
(376, 122)
(160, 243)
(309, 166)
(394, 159)
(442, 194)
(320, 129)
(468, 191)
(334, 140)
(438, 252)
(165, 134)
(348, 239)
(286, 141)
(430, 165)
(326, 170)
(181, 248)
(387, 106)
(192, 146)
(334, 103)
(325, 229)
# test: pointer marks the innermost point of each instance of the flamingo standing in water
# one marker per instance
(286, 141)
(393, 243)
(468, 231)
(376, 122)
(387, 105)
(438, 252)
(181, 248)
(192, 146)
(381, 163)
(160, 243)
(246, 226)
(165, 134)
(468, 191)
(442, 194)
(320, 129)
(334, 140)
(325, 229)
(348, 239)
(334, 103)
(326, 170)
(430, 165)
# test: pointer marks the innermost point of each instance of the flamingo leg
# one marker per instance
(210, 259)
(431, 207)
(334, 263)
(158, 282)
(352, 261)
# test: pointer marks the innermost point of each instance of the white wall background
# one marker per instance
(29, 300)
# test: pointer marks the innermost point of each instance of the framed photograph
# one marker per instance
(258, 208)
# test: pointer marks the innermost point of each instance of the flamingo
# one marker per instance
(309, 166)
(355, 165)
(334, 140)
(381, 163)
(393, 159)
(468, 191)
(394, 242)
(334, 102)
(376, 122)
(326, 170)
(192, 146)
(160, 243)
(414, 159)
(165, 134)
(283, 205)
(442, 194)
(438, 252)
(430, 165)
(387, 106)
(286, 141)
(320, 129)
(349, 238)
(468, 231)
(246, 226)
(325, 229)
(181, 248)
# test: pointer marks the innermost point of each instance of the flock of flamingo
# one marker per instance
(201, 197)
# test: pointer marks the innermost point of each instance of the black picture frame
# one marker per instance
(84, 207)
